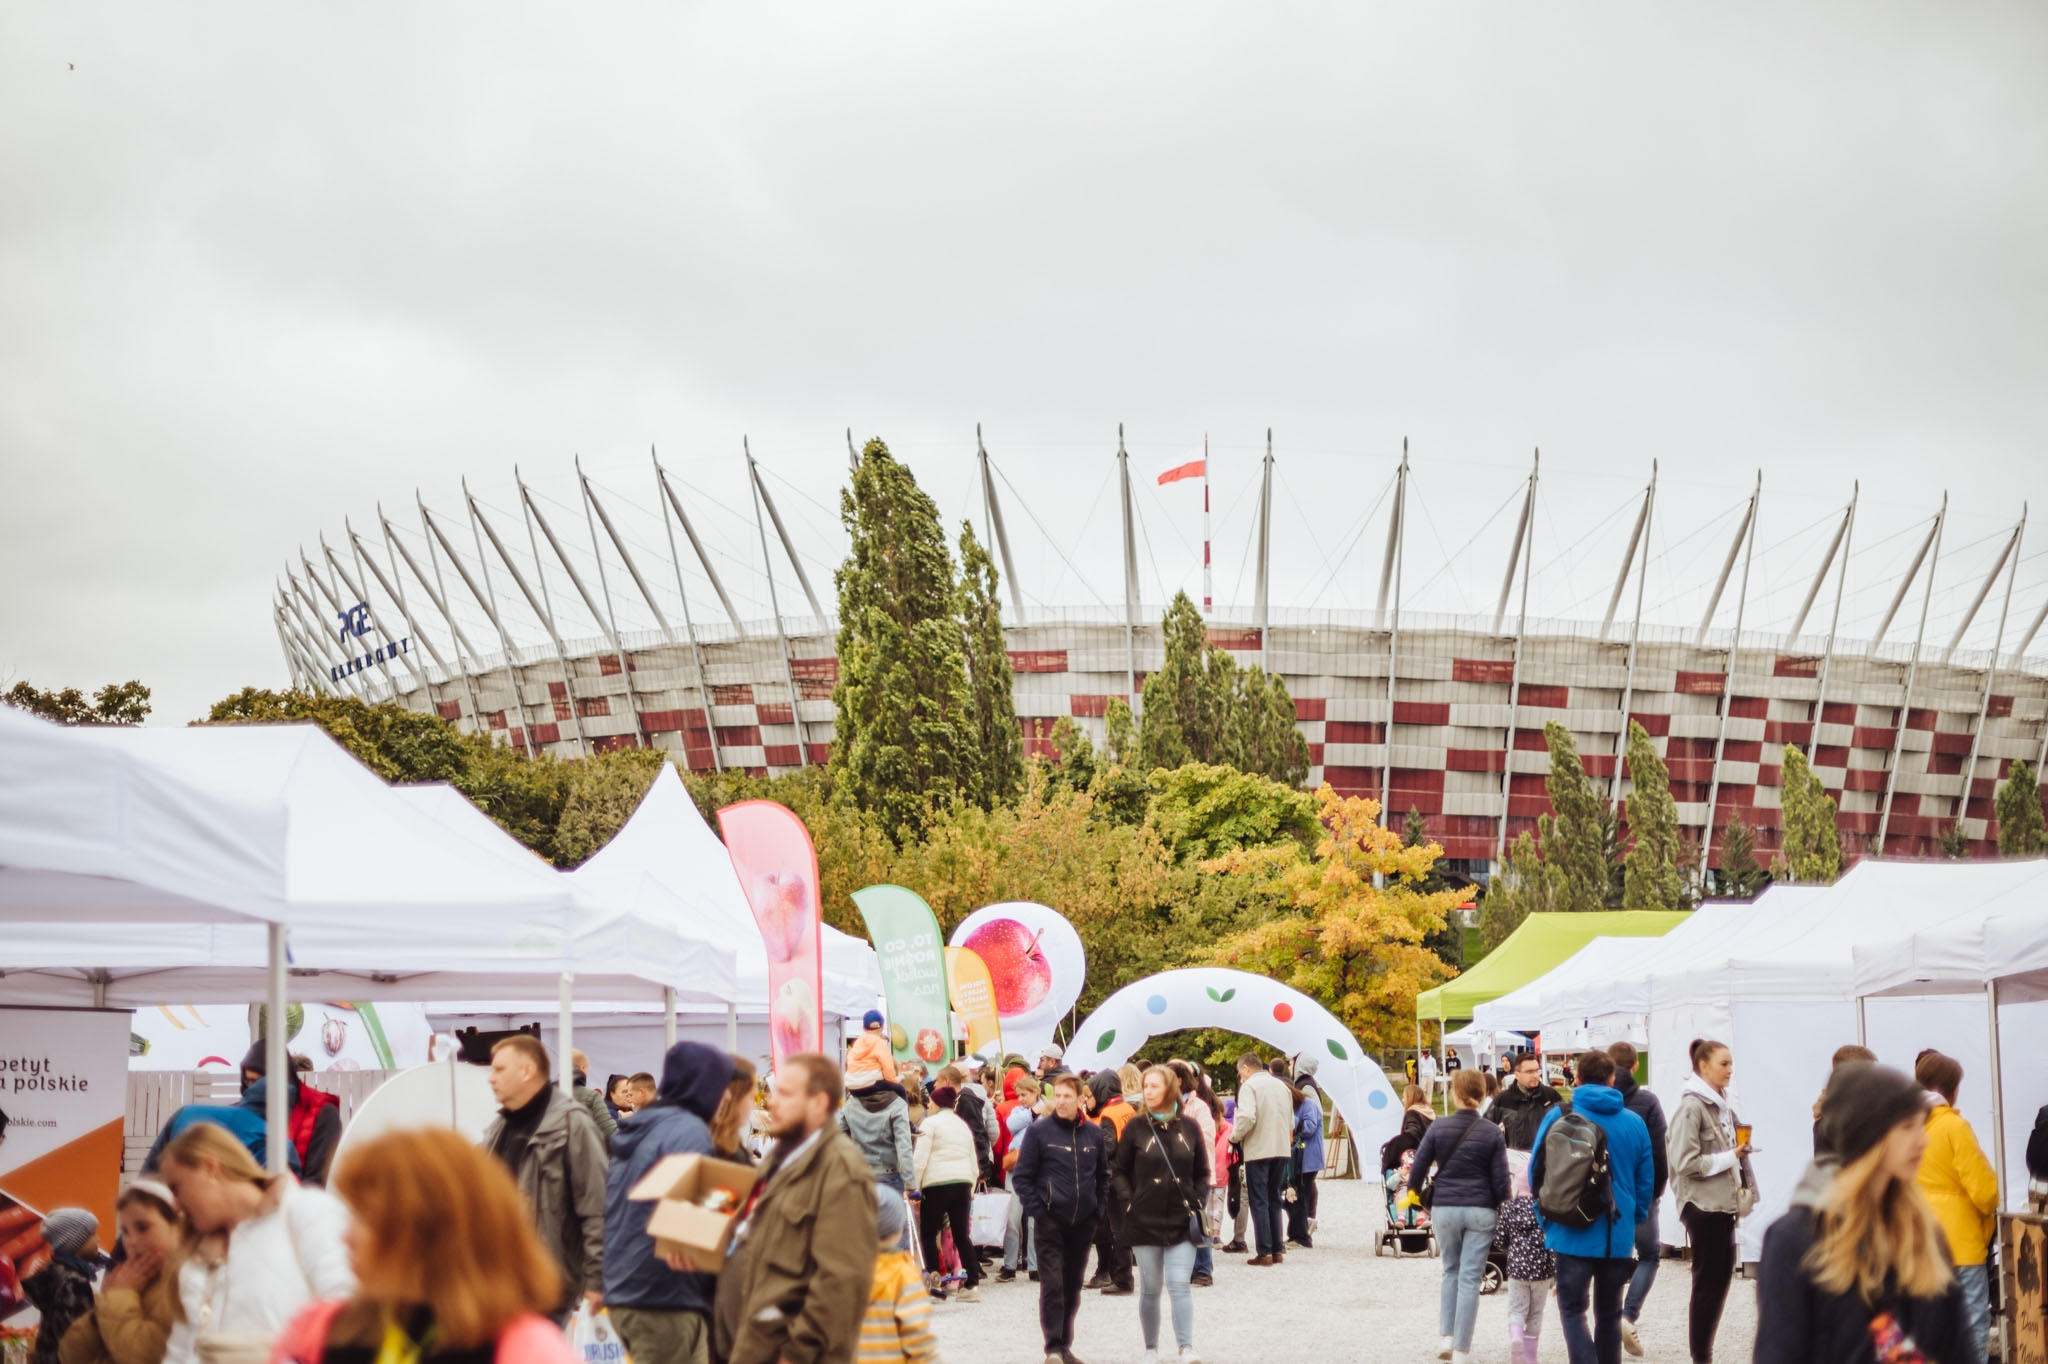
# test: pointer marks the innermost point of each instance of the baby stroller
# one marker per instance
(1407, 1231)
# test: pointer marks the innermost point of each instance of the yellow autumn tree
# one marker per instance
(1355, 948)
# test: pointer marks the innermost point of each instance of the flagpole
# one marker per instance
(1208, 589)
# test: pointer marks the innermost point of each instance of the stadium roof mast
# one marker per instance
(303, 666)
(1635, 626)
(1396, 559)
(1845, 537)
(992, 519)
(607, 621)
(540, 606)
(330, 654)
(328, 637)
(803, 737)
(667, 498)
(1745, 540)
(2012, 554)
(1123, 471)
(1933, 541)
(316, 657)
(591, 504)
(394, 588)
(435, 533)
(436, 591)
(356, 590)
(1524, 553)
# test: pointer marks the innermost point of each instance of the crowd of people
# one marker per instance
(431, 1249)
(1882, 1255)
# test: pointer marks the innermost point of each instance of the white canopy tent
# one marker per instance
(1525, 1008)
(667, 843)
(1783, 998)
(1478, 1045)
(1994, 953)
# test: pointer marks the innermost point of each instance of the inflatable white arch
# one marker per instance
(1216, 997)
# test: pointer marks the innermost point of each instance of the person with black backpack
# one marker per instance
(1594, 1179)
(1461, 1175)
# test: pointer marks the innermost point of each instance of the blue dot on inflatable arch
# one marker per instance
(1376, 1099)
(1156, 1004)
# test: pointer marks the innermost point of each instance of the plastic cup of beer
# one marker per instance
(1742, 1131)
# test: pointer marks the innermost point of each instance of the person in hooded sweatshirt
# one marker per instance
(1712, 1185)
(878, 1120)
(248, 1119)
(1596, 1261)
(1856, 1269)
(1649, 1240)
(663, 1315)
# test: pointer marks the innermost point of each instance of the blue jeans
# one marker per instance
(1172, 1264)
(1464, 1235)
(1976, 1282)
(1604, 1279)
(1649, 1250)
(1018, 1240)
(1205, 1259)
(1263, 1182)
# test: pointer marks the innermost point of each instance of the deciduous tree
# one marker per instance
(1652, 879)
(117, 703)
(1740, 876)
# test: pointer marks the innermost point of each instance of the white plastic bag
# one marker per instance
(593, 1339)
(989, 1219)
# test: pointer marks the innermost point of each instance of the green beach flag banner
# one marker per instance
(910, 952)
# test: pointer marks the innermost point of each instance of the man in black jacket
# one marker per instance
(1062, 1179)
(1649, 1245)
(1519, 1108)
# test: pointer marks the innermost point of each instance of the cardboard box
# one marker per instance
(677, 1223)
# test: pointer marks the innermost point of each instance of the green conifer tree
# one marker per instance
(1120, 732)
(1574, 838)
(2018, 804)
(904, 742)
(1652, 879)
(1263, 736)
(1954, 843)
(1740, 876)
(1813, 851)
(997, 745)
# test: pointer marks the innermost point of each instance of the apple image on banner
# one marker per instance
(784, 898)
(792, 1018)
(1036, 965)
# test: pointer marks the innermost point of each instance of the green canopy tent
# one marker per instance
(1540, 943)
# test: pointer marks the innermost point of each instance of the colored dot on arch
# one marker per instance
(1283, 1011)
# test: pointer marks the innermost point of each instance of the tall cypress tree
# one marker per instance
(1263, 736)
(998, 754)
(2018, 804)
(1120, 732)
(1574, 837)
(1813, 851)
(1651, 876)
(1740, 875)
(904, 741)
(1202, 707)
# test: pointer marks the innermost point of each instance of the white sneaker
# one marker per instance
(1149, 1357)
(1461, 1357)
(1629, 1340)
(1188, 1355)
(967, 1295)
(1444, 1351)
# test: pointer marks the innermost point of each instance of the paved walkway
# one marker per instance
(1336, 1304)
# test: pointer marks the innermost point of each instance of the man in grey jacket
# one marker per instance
(555, 1153)
(1263, 1131)
(878, 1120)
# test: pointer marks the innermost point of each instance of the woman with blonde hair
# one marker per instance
(260, 1248)
(447, 1264)
(735, 1109)
(1856, 1270)
(138, 1303)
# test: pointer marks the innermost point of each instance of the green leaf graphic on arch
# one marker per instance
(1222, 997)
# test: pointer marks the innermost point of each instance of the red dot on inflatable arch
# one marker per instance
(1283, 1012)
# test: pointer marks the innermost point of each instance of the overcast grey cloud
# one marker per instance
(265, 266)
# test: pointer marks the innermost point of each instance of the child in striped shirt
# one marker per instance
(898, 1325)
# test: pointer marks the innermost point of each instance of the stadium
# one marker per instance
(579, 626)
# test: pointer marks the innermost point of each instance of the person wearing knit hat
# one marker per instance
(62, 1290)
(869, 1057)
(945, 1169)
(1857, 1268)
(898, 1324)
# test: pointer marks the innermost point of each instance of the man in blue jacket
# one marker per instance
(663, 1316)
(1598, 1260)
(1062, 1179)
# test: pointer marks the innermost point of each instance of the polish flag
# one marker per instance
(1198, 467)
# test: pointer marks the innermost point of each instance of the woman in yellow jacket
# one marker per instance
(1961, 1185)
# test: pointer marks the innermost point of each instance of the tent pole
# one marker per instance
(566, 1024)
(668, 1016)
(1862, 1024)
(732, 1028)
(277, 1065)
(1998, 1134)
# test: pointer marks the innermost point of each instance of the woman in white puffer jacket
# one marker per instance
(946, 1170)
(264, 1247)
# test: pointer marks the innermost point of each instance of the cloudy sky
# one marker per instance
(263, 267)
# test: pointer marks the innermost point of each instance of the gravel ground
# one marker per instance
(1337, 1302)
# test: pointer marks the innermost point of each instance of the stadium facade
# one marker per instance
(1440, 714)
